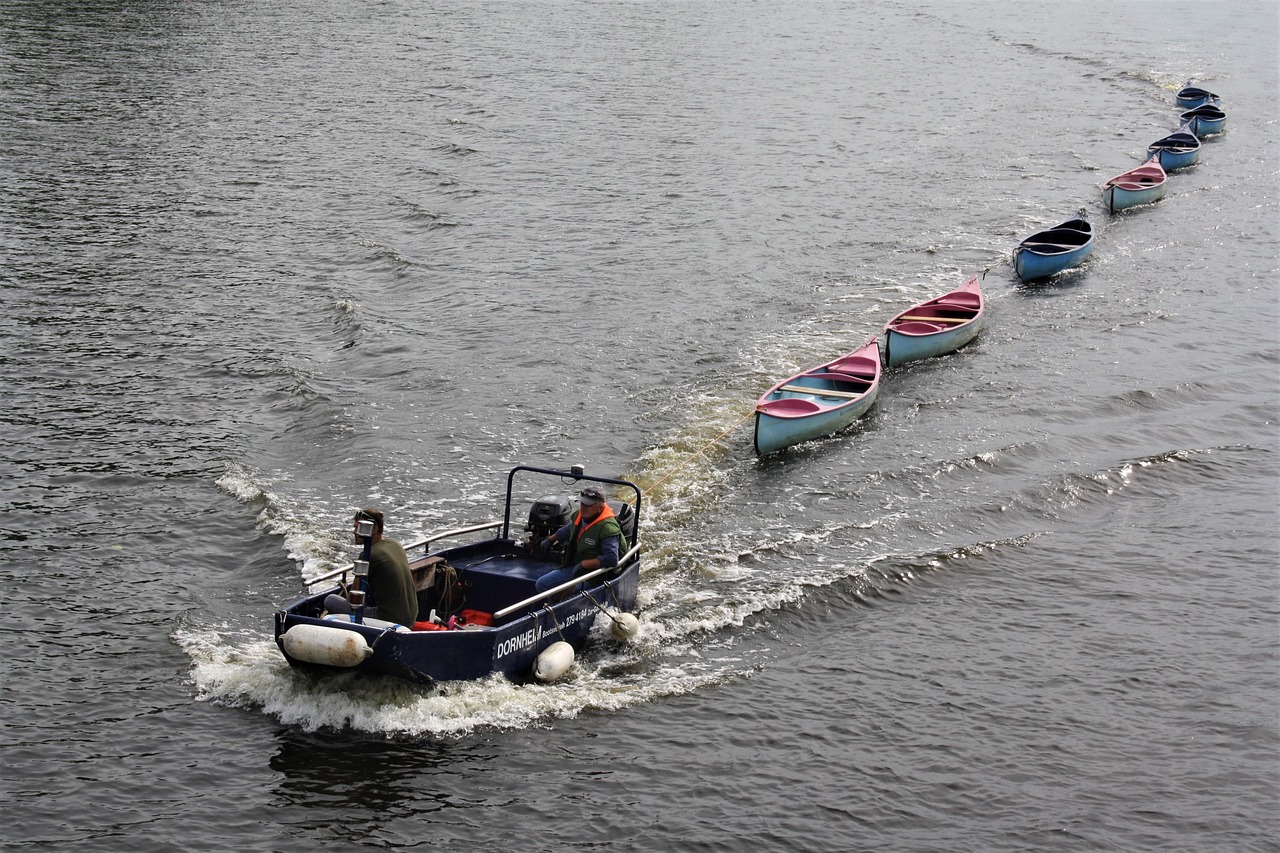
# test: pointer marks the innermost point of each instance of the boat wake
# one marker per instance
(701, 608)
(244, 669)
(239, 665)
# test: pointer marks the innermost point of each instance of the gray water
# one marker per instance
(266, 263)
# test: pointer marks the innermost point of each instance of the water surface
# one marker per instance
(263, 265)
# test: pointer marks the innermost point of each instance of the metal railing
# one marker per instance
(417, 543)
(569, 584)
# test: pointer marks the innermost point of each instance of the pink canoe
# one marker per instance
(935, 327)
(819, 401)
(1143, 185)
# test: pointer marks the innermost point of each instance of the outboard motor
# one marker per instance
(626, 516)
(547, 515)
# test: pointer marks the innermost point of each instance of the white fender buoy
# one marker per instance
(553, 662)
(625, 626)
(326, 646)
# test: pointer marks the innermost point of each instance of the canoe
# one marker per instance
(1205, 120)
(935, 327)
(490, 618)
(819, 401)
(1193, 96)
(1177, 150)
(1061, 247)
(1143, 185)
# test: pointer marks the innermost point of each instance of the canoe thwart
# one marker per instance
(821, 392)
(936, 319)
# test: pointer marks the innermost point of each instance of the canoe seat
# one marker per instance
(917, 327)
(863, 368)
(959, 300)
(794, 406)
(847, 382)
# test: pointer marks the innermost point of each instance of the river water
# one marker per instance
(265, 263)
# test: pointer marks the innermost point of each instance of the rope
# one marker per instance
(449, 595)
(598, 605)
(698, 452)
(373, 647)
(613, 595)
(554, 621)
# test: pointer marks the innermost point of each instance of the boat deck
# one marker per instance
(494, 574)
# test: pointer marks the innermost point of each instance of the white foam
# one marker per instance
(243, 671)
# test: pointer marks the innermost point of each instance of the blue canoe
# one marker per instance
(1177, 150)
(935, 327)
(1193, 96)
(1205, 120)
(1061, 247)
(1143, 185)
(492, 619)
(820, 401)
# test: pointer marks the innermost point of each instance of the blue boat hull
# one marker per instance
(901, 348)
(775, 433)
(1031, 265)
(1177, 150)
(510, 648)
(1046, 253)
(1205, 121)
(1192, 97)
(1118, 198)
(1173, 159)
(1206, 126)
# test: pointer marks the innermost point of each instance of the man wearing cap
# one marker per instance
(592, 540)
